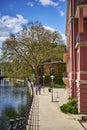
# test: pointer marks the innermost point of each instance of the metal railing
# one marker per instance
(81, 2)
(81, 37)
(31, 119)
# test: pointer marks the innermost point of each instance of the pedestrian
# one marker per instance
(36, 89)
(39, 89)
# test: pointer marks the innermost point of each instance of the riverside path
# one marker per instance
(51, 117)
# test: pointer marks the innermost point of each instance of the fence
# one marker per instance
(31, 119)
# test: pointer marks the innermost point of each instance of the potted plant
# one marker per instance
(49, 89)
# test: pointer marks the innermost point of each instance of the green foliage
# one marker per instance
(70, 107)
(72, 101)
(61, 69)
(49, 89)
(58, 79)
(16, 84)
(25, 52)
(47, 80)
(10, 112)
(58, 86)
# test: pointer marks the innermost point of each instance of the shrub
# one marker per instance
(17, 85)
(58, 79)
(70, 107)
(58, 86)
(72, 101)
(64, 108)
(47, 80)
(49, 89)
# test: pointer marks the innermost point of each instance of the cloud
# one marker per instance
(53, 29)
(49, 28)
(62, 0)
(10, 25)
(63, 36)
(48, 2)
(31, 4)
(62, 13)
(2, 39)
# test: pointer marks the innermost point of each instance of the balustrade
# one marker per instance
(81, 37)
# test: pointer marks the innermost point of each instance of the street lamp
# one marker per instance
(43, 82)
(52, 77)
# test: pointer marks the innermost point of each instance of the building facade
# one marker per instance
(48, 69)
(76, 52)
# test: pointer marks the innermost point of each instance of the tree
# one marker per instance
(32, 46)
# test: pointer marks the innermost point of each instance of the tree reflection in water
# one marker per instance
(13, 103)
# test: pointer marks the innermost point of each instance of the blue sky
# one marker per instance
(15, 13)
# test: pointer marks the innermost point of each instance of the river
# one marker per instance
(13, 102)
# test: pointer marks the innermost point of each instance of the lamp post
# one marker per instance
(52, 77)
(43, 82)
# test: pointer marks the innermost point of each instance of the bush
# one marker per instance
(17, 85)
(72, 101)
(58, 86)
(49, 89)
(58, 79)
(47, 80)
(70, 107)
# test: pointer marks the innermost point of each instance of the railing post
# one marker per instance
(17, 123)
(11, 124)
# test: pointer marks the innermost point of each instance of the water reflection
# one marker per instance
(13, 102)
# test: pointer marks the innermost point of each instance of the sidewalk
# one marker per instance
(51, 117)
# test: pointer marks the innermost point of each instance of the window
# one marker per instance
(41, 71)
(52, 71)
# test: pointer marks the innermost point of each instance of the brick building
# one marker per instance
(51, 68)
(76, 52)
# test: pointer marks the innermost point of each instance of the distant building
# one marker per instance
(76, 52)
(51, 68)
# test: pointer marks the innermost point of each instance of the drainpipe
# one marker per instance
(74, 58)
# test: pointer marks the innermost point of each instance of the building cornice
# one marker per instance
(82, 72)
(81, 44)
(81, 81)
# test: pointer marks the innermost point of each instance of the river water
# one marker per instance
(13, 102)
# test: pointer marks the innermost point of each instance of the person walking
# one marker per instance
(36, 89)
(39, 88)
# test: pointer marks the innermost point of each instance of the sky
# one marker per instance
(15, 13)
